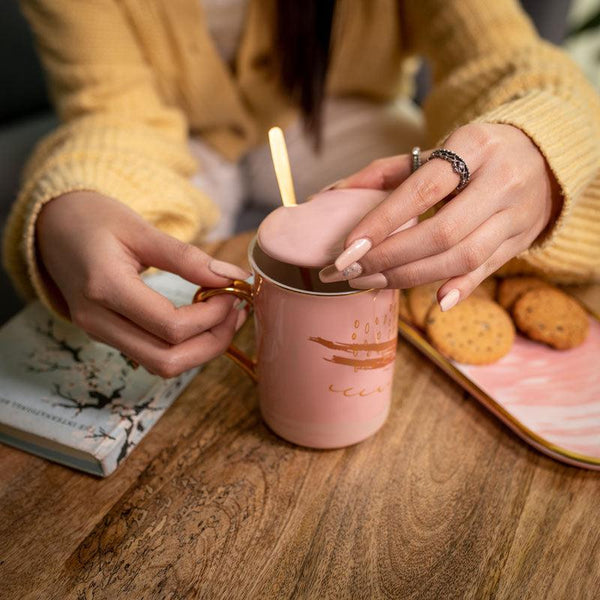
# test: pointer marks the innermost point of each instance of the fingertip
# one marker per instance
(223, 303)
(230, 319)
(375, 281)
(353, 253)
(163, 251)
(227, 270)
(241, 318)
(225, 331)
(330, 274)
(450, 299)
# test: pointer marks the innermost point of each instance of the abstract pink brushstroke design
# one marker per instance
(554, 393)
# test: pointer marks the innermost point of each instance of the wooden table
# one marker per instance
(444, 502)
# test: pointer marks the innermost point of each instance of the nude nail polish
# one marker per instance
(227, 270)
(330, 274)
(377, 280)
(352, 271)
(353, 253)
(450, 300)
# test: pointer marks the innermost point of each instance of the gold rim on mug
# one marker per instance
(244, 291)
(258, 270)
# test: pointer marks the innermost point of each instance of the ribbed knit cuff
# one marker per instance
(563, 135)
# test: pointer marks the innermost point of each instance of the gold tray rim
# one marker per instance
(417, 339)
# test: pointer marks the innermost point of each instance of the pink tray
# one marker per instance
(549, 398)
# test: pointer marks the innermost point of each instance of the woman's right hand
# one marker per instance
(94, 249)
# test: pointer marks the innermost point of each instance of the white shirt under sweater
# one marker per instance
(355, 132)
(225, 22)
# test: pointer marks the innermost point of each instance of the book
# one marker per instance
(75, 401)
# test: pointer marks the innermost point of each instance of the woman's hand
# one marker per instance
(94, 249)
(511, 198)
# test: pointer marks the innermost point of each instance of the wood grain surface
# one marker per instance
(444, 502)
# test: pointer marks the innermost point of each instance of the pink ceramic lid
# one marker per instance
(312, 234)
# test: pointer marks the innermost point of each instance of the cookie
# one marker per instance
(477, 331)
(420, 300)
(550, 316)
(510, 289)
(403, 310)
(486, 289)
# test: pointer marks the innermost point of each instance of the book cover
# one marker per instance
(75, 401)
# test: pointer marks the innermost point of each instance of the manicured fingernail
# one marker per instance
(227, 270)
(352, 271)
(378, 280)
(330, 274)
(449, 300)
(333, 185)
(354, 252)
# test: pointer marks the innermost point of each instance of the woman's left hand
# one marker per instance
(511, 198)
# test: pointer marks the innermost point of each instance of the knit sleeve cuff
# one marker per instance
(162, 197)
(567, 141)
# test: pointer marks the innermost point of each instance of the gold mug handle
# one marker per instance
(242, 290)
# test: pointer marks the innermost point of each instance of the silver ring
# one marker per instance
(459, 166)
(416, 158)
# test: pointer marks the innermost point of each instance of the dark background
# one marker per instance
(26, 115)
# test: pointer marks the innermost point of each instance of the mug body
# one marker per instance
(325, 361)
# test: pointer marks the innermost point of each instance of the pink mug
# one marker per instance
(325, 360)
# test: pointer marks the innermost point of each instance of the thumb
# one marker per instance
(157, 249)
(382, 174)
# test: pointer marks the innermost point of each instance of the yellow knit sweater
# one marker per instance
(131, 79)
